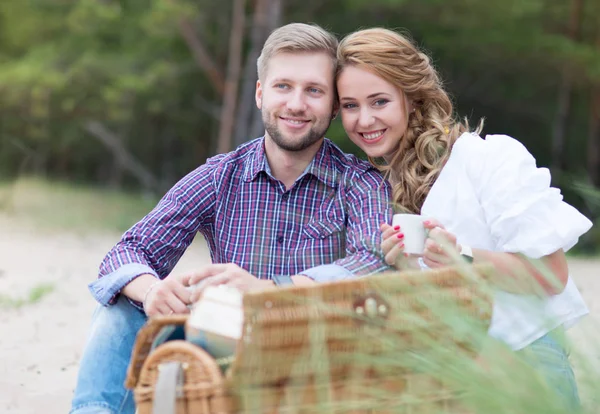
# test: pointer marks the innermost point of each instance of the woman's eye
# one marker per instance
(349, 106)
(381, 102)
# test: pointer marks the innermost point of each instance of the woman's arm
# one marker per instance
(516, 273)
(520, 274)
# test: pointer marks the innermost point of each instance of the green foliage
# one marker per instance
(52, 205)
(34, 295)
(126, 64)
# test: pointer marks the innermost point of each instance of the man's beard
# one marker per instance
(314, 134)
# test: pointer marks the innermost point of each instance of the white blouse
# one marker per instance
(492, 196)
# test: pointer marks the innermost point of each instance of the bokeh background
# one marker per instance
(133, 94)
(105, 104)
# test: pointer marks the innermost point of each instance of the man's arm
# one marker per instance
(368, 202)
(367, 196)
(152, 247)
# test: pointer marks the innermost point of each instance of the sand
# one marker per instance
(41, 342)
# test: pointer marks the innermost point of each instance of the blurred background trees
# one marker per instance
(135, 93)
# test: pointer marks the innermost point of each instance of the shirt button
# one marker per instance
(285, 196)
(280, 239)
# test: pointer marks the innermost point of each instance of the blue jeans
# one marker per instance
(550, 357)
(100, 385)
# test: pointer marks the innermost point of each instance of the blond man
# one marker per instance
(286, 208)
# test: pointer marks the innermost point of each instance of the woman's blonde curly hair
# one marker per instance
(431, 130)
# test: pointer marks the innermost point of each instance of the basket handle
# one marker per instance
(143, 344)
(169, 387)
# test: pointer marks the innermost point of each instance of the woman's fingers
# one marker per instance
(436, 254)
(387, 231)
(432, 223)
(391, 237)
(391, 257)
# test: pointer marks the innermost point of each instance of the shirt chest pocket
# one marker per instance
(322, 229)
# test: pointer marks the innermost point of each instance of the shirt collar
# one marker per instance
(321, 166)
(256, 161)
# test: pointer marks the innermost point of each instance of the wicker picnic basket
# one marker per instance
(353, 346)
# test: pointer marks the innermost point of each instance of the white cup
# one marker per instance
(414, 232)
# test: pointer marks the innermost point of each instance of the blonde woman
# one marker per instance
(484, 198)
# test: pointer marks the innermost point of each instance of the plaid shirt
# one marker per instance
(326, 226)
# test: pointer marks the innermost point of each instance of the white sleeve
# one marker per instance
(523, 212)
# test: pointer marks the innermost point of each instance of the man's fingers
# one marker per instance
(208, 271)
(182, 293)
(176, 305)
(219, 279)
(185, 279)
(162, 309)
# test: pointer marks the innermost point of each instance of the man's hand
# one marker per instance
(167, 296)
(440, 246)
(226, 274)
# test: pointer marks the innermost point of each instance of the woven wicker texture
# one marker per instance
(363, 345)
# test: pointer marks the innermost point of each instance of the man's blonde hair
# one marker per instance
(297, 37)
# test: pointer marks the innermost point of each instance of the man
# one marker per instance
(289, 207)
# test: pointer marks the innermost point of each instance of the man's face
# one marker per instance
(296, 98)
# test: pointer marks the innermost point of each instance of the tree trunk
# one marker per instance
(234, 63)
(123, 156)
(564, 97)
(201, 55)
(266, 17)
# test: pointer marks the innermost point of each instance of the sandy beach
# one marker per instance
(42, 341)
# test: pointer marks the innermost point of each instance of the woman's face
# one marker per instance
(374, 112)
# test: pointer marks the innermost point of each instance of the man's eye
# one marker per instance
(281, 86)
(314, 90)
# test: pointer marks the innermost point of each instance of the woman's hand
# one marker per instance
(392, 244)
(441, 248)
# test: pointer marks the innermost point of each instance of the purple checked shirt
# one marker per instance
(326, 226)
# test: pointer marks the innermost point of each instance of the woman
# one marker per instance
(484, 198)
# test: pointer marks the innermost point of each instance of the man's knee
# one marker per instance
(121, 319)
(93, 409)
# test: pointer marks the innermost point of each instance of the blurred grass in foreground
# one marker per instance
(432, 334)
(57, 205)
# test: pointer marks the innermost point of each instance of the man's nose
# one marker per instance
(296, 103)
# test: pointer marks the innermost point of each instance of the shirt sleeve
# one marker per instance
(155, 244)
(523, 212)
(368, 205)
